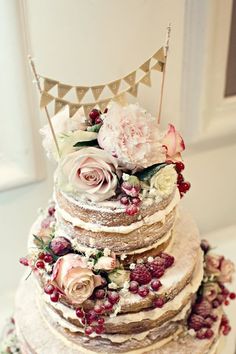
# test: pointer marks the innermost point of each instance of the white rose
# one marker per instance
(164, 180)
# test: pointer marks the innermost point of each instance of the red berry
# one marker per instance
(225, 292)
(169, 260)
(136, 201)
(51, 211)
(54, 296)
(196, 322)
(201, 333)
(226, 302)
(156, 270)
(215, 304)
(204, 308)
(98, 120)
(94, 114)
(49, 289)
(209, 333)
(113, 297)
(100, 294)
(83, 321)
(232, 296)
(99, 329)
(88, 330)
(41, 256)
(208, 322)
(98, 309)
(48, 258)
(184, 187)
(133, 287)
(180, 178)
(101, 321)
(79, 312)
(143, 291)
(155, 284)
(213, 317)
(24, 261)
(158, 302)
(91, 315)
(226, 330)
(124, 200)
(40, 265)
(224, 320)
(108, 306)
(141, 274)
(132, 209)
(179, 166)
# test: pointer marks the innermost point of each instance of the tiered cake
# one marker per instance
(117, 266)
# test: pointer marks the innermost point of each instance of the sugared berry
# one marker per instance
(54, 297)
(98, 309)
(40, 265)
(158, 302)
(155, 284)
(232, 296)
(196, 322)
(101, 321)
(136, 201)
(99, 329)
(209, 333)
(24, 261)
(184, 187)
(201, 333)
(88, 330)
(143, 291)
(108, 306)
(113, 297)
(226, 330)
(132, 209)
(179, 166)
(49, 289)
(141, 274)
(48, 258)
(80, 312)
(133, 287)
(100, 294)
(124, 200)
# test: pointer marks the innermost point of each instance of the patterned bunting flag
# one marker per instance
(130, 79)
(81, 92)
(160, 55)
(103, 104)
(146, 66)
(63, 89)
(121, 99)
(97, 90)
(114, 86)
(73, 108)
(158, 66)
(49, 83)
(146, 80)
(45, 99)
(88, 108)
(133, 90)
(59, 104)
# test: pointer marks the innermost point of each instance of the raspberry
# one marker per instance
(169, 260)
(203, 309)
(156, 270)
(141, 274)
(159, 261)
(196, 322)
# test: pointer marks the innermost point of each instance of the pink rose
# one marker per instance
(227, 269)
(91, 173)
(210, 291)
(173, 142)
(105, 263)
(133, 136)
(213, 264)
(74, 279)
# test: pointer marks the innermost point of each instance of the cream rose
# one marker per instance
(164, 180)
(74, 279)
(105, 263)
(89, 172)
(133, 136)
(173, 142)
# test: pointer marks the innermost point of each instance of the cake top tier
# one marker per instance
(119, 157)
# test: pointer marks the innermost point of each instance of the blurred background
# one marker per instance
(88, 42)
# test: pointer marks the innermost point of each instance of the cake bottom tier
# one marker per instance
(37, 335)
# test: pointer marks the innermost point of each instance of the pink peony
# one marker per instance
(74, 279)
(173, 142)
(91, 173)
(133, 136)
(227, 269)
(105, 263)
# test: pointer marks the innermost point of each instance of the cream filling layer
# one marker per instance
(159, 216)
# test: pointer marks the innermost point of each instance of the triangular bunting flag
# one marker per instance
(59, 104)
(48, 84)
(160, 55)
(146, 66)
(114, 86)
(130, 79)
(146, 80)
(88, 108)
(73, 108)
(134, 90)
(45, 99)
(97, 90)
(103, 104)
(81, 91)
(63, 89)
(158, 66)
(121, 99)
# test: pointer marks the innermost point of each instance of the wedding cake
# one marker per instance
(117, 266)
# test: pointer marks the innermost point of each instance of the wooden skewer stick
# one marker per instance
(32, 65)
(166, 48)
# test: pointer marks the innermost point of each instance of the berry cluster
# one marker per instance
(54, 293)
(145, 277)
(130, 195)
(95, 116)
(183, 185)
(40, 262)
(93, 320)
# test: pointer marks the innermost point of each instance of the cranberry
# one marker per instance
(40, 265)
(169, 260)
(158, 302)
(226, 302)
(132, 210)
(24, 261)
(54, 296)
(99, 329)
(92, 315)
(184, 187)
(113, 297)
(136, 201)
(226, 330)
(156, 284)
(101, 321)
(133, 287)
(179, 166)
(48, 258)
(180, 178)
(108, 306)
(88, 330)
(41, 256)
(98, 309)
(124, 200)
(201, 333)
(49, 289)
(100, 294)
(98, 120)
(209, 333)
(143, 291)
(79, 312)
(95, 113)
(224, 320)
(232, 296)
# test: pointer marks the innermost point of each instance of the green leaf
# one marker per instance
(146, 175)
(86, 143)
(94, 128)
